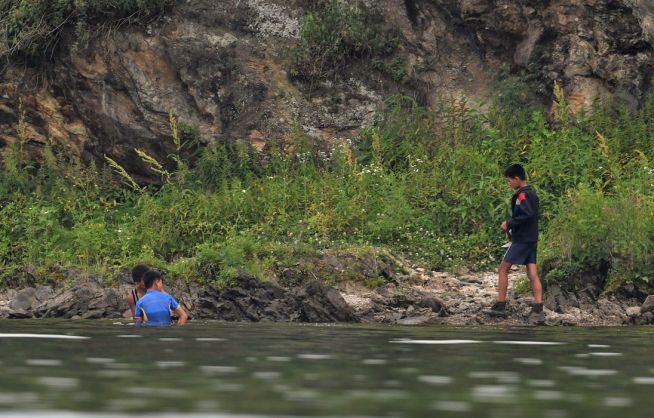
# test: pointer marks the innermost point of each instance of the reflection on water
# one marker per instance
(64, 368)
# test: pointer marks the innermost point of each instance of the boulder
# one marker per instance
(20, 314)
(648, 305)
(434, 303)
(558, 300)
(24, 300)
(253, 300)
(319, 302)
(43, 293)
(609, 309)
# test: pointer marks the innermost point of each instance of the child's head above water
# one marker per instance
(138, 272)
(153, 280)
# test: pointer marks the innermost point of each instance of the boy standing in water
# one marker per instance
(154, 308)
(522, 228)
(139, 290)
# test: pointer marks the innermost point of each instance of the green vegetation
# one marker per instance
(33, 28)
(336, 34)
(426, 185)
(522, 286)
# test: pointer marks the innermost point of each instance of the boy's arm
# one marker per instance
(525, 212)
(138, 315)
(176, 307)
(182, 315)
(132, 304)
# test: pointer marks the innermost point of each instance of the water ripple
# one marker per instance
(46, 336)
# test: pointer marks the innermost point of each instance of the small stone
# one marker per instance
(20, 314)
(435, 304)
(608, 308)
(258, 140)
(43, 293)
(416, 278)
(415, 320)
(633, 311)
(470, 279)
(93, 314)
(393, 317)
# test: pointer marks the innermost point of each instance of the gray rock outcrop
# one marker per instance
(248, 300)
(648, 305)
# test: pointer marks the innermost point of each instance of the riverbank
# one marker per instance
(462, 297)
(418, 297)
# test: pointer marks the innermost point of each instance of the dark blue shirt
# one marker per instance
(524, 221)
(154, 308)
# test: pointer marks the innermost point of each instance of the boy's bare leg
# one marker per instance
(498, 310)
(536, 286)
(537, 316)
(503, 280)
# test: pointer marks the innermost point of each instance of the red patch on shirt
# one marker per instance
(522, 197)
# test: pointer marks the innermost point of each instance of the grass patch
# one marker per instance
(522, 286)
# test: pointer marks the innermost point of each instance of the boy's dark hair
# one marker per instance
(151, 277)
(515, 170)
(138, 271)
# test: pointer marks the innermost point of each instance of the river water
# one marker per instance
(95, 368)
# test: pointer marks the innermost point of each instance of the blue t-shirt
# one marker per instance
(154, 308)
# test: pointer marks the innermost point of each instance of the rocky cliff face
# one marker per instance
(592, 47)
(222, 66)
(644, 11)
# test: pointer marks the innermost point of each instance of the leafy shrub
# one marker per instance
(611, 232)
(522, 287)
(336, 33)
(375, 283)
(33, 28)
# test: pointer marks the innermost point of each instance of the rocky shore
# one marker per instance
(458, 299)
(422, 298)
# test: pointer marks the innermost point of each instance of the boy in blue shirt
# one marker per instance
(153, 309)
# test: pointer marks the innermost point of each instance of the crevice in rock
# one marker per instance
(411, 10)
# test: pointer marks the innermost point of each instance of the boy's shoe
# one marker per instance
(498, 310)
(537, 316)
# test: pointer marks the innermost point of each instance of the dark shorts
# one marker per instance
(522, 253)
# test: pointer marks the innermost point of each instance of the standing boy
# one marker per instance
(522, 227)
(153, 309)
